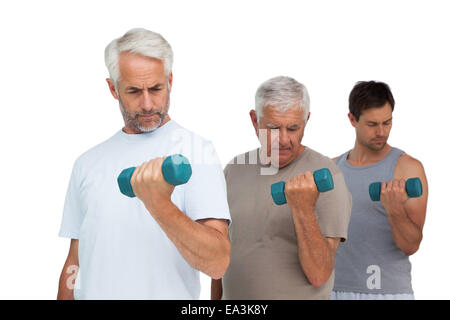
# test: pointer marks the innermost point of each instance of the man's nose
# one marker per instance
(380, 131)
(283, 137)
(147, 101)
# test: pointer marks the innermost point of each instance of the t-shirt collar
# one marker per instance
(137, 137)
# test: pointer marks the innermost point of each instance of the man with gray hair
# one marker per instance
(154, 245)
(286, 251)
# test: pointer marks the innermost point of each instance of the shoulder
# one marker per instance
(198, 149)
(247, 158)
(408, 166)
(321, 160)
(405, 161)
(178, 132)
(344, 155)
(94, 153)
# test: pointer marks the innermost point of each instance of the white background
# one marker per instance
(55, 102)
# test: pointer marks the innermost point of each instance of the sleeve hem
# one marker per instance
(68, 234)
(213, 217)
(343, 237)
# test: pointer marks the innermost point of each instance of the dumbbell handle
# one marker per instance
(322, 178)
(413, 188)
(176, 170)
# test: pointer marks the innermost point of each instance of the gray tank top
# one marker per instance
(369, 261)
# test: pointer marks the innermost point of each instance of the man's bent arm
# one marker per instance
(408, 221)
(204, 244)
(315, 252)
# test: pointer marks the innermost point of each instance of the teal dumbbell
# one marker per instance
(322, 178)
(176, 170)
(413, 189)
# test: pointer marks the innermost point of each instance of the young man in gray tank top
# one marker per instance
(374, 263)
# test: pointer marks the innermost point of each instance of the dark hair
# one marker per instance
(369, 94)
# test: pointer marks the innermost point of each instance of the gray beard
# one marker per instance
(131, 118)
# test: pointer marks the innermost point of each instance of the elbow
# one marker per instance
(318, 282)
(217, 274)
(221, 264)
(319, 278)
(411, 250)
(219, 270)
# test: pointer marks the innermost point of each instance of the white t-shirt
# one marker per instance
(123, 252)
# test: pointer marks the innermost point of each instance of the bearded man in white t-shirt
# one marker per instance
(154, 245)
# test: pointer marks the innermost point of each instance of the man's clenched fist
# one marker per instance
(149, 184)
(301, 192)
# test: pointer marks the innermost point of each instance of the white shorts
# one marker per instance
(342, 295)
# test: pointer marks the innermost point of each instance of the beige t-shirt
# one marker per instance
(264, 253)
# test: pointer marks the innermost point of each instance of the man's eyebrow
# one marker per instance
(374, 122)
(294, 126)
(132, 88)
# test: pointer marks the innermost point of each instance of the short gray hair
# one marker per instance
(141, 41)
(282, 93)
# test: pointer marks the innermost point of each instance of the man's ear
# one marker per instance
(112, 88)
(309, 114)
(169, 82)
(254, 119)
(352, 119)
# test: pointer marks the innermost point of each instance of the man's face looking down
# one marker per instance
(373, 127)
(143, 92)
(284, 133)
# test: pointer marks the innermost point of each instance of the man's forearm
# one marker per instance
(216, 289)
(314, 253)
(64, 293)
(67, 281)
(204, 248)
(405, 233)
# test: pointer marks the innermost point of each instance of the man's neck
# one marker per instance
(361, 155)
